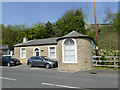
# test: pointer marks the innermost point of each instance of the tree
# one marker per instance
(36, 31)
(109, 16)
(8, 36)
(39, 31)
(1, 28)
(49, 29)
(71, 20)
(108, 35)
(112, 18)
(116, 22)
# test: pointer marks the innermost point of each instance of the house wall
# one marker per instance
(84, 56)
(29, 52)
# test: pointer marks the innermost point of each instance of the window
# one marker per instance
(52, 52)
(69, 51)
(22, 52)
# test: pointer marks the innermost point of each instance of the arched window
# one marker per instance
(36, 52)
(69, 51)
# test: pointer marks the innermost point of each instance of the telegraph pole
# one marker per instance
(97, 53)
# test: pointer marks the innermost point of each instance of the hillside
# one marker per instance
(108, 40)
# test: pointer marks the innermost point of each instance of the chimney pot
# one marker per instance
(25, 39)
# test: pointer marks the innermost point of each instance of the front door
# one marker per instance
(36, 52)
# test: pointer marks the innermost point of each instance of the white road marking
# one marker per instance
(96, 74)
(59, 85)
(7, 78)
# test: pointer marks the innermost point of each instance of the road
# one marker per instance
(24, 77)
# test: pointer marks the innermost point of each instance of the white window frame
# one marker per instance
(21, 52)
(34, 54)
(49, 52)
(63, 56)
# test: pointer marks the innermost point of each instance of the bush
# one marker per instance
(104, 52)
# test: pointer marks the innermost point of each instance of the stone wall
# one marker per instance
(84, 56)
(29, 52)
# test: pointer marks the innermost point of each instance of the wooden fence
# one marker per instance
(111, 61)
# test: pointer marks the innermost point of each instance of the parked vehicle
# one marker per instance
(41, 61)
(9, 61)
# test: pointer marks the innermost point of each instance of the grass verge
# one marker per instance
(109, 68)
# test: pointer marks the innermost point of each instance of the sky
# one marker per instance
(34, 12)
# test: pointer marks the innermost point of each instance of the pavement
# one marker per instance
(24, 77)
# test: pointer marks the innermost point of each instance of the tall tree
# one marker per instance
(71, 20)
(39, 31)
(8, 36)
(109, 16)
(49, 29)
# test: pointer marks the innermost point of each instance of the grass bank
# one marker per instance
(109, 68)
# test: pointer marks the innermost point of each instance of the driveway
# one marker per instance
(24, 77)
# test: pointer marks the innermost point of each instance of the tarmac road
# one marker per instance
(24, 77)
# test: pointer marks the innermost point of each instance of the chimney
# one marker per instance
(25, 39)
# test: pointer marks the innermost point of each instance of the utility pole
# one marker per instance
(97, 53)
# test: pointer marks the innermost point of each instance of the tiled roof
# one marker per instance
(73, 34)
(46, 41)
